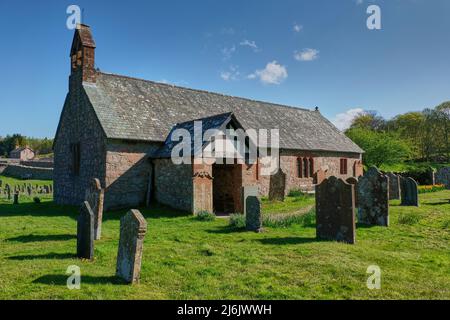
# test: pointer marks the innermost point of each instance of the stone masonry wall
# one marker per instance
(173, 184)
(327, 161)
(25, 172)
(127, 173)
(78, 124)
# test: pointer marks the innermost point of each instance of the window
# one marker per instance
(76, 157)
(305, 168)
(311, 167)
(344, 167)
(299, 168)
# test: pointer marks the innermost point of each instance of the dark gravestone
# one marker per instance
(8, 192)
(410, 192)
(1, 183)
(132, 232)
(95, 195)
(16, 198)
(85, 232)
(442, 176)
(246, 192)
(29, 191)
(353, 181)
(253, 217)
(277, 186)
(373, 198)
(335, 210)
(394, 186)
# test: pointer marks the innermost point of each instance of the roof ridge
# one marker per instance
(205, 91)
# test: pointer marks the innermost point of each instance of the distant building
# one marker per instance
(22, 153)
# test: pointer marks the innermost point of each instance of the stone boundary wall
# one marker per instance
(22, 172)
(37, 164)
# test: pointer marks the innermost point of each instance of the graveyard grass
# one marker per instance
(189, 259)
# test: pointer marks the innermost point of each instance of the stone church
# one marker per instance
(115, 128)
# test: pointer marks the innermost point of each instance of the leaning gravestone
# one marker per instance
(277, 186)
(253, 216)
(246, 192)
(335, 210)
(95, 195)
(354, 182)
(410, 192)
(373, 198)
(132, 232)
(394, 186)
(85, 232)
(442, 176)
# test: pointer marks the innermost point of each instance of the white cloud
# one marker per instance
(344, 120)
(273, 73)
(231, 75)
(251, 44)
(307, 54)
(298, 27)
(228, 52)
(359, 2)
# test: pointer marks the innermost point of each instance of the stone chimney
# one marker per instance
(82, 54)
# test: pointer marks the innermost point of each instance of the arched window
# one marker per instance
(311, 167)
(299, 168)
(305, 168)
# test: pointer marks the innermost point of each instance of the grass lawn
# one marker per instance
(189, 259)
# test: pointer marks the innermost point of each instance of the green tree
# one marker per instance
(380, 148)
(369, 120)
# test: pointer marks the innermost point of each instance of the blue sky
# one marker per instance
(303, 53)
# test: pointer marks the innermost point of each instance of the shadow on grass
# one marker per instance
(226, 230)
(58, 279)
(42, 238)
(43, 209)
(50, 209)
(47, 256)
(288, 240)
(435, 203)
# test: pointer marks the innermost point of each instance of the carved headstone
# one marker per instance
(132, 232)
(248, 191)
(373, 198)
(335, 211)
(394, 186)
(443, 177)
(253, 216)
(85, 232)
(410, 192)
(277, 186)
(95, 196)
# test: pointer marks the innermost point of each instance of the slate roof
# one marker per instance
(141, 110)
(219, 122)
